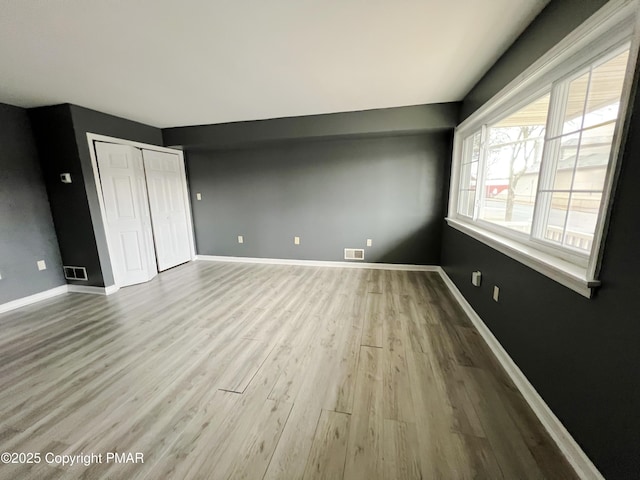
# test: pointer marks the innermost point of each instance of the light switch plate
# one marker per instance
(198, 196)
(296, 240)
(496, 293)
(240, 239)
(41, 265)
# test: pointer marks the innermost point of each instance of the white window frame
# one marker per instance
(616, 23)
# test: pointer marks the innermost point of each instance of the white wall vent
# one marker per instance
(354, 254)
(75, 273)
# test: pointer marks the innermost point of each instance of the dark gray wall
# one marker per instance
(26, 228)
(387, 121)
(581, 355)
(60, 132)
(332, 193)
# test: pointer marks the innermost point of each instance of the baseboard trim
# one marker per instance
(320, 263)
(93, 290)
(111, 289)
(579, 460)
(37, 297)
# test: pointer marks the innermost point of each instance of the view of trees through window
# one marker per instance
(514, 154)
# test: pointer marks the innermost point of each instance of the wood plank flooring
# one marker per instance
(240, 371)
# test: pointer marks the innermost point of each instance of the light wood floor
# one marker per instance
(217, 371)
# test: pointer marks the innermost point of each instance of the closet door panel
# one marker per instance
(128, 219)
(167, 203)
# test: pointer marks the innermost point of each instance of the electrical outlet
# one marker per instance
(296, 240)
(198, 196)
(41, 265)
(240, 239)
(496, 293)
(369, 242)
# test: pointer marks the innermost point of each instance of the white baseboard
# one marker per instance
(320, 263)
(23, 302)
(93, 290)
(579, 460)
(111, 289)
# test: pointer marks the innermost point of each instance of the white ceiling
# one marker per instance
(187, 62)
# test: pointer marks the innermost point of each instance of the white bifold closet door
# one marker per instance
(144, 194)
(128, 221)
(167, 201)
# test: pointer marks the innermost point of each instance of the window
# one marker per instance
(577, 152)
(511, 151)
(532, 170)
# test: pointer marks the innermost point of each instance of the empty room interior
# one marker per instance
(338, 240)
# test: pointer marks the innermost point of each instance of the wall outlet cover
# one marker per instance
(41, 265)
(496, 293)
(296, 240)
(240, 239)
(369, 242)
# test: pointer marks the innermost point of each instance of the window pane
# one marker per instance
(575, 104)
(467, 196)
(466, 202)
(595, 149)
(512, 166)
(469, 175)
(471, 147)
(474, 147)
(581, 220)
(568, 149)
(570, 206)
(605, 90)
(572, 218)
(554, 225)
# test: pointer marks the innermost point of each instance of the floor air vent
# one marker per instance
(354, 254)
(75, 273)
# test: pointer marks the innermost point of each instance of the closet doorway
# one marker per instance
(142, 190)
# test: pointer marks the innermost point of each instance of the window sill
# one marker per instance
(563, 272)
